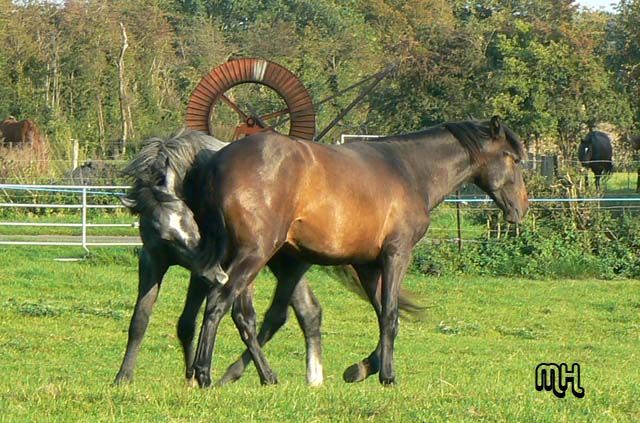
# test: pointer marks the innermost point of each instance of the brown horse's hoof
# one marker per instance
(203, 378)
(356, 373)
(387, 381)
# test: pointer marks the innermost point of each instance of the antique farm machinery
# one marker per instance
(228, 92)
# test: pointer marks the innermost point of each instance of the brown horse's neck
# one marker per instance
(437, 166)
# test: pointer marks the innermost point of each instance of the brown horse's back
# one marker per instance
(335, 213)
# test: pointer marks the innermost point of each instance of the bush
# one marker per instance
(596, 243)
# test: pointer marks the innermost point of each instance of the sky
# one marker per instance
(597, 4)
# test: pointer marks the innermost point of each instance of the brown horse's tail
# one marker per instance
(214, 238)
(349, 278)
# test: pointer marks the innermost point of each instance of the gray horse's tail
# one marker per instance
(349, 278)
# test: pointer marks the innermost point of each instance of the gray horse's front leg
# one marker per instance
(196, 294)
(151, 270)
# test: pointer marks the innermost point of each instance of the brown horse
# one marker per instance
(365, 204)
(15, 133)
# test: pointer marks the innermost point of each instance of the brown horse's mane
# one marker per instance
(471, 134)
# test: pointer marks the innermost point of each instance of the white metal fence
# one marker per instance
(80, 200)
(77, 198)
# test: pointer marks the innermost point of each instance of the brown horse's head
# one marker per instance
(500, 173)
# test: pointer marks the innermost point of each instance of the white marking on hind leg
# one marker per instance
(314, 369)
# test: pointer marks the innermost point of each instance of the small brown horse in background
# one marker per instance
(15, 133)
(365, 204)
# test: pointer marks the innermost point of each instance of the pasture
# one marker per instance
(470, 357)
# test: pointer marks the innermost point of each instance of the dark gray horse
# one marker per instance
(595, 153)
(94, 172)
(170, 237)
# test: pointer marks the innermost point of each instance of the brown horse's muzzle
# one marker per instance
(517, 212)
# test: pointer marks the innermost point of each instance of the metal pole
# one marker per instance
(378, 77)
(459, 218)
(84, 219)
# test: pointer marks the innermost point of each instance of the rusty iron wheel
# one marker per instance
(234, 84)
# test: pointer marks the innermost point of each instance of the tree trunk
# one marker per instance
(101, 135)
(125, 110)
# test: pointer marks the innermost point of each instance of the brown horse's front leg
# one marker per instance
(151, 270)
(244, 316)
(242, 272)
(370, 280)
(395, 261)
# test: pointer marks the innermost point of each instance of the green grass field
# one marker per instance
(471, 357)
(623, 183)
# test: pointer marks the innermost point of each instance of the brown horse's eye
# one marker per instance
(515, 158)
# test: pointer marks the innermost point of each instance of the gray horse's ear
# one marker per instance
(496, 127)
(128, 202)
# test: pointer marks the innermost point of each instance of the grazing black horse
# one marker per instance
(170, 237)
(595, 153)
(635, 148)
(364, 203)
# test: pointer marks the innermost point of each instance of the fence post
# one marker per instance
(84, 219)
(459, 218)
(76, 154)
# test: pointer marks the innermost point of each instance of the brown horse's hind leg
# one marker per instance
(187, 322)
(308, 312)
(370, 280)
(150, 273)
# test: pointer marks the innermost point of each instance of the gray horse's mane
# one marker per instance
(148, 169)
(179, 151)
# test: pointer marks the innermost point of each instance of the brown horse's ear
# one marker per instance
(496, 127)
(128, 202)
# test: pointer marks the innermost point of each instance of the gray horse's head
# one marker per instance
(158, 173)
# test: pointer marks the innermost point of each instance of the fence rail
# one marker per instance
(83, 194)
(81, 199)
